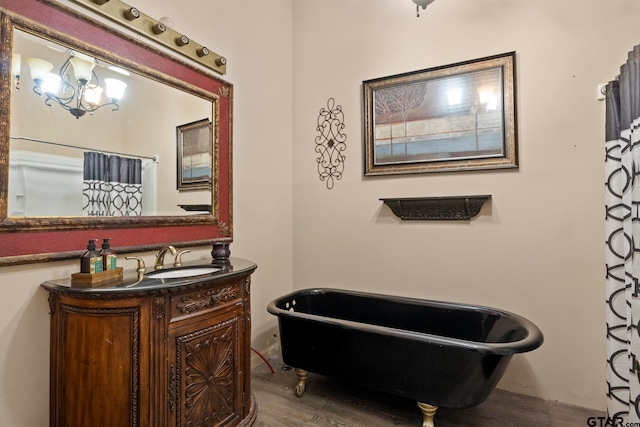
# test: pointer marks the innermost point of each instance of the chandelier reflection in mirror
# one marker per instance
(85, 96)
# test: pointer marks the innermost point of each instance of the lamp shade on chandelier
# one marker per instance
(80, 95)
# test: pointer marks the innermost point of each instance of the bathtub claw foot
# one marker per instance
(428, 412)
(302, 379)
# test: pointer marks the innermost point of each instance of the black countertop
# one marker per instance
(133, 283)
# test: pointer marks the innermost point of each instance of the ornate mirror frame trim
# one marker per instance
(37, 239)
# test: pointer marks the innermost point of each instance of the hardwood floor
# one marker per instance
(329, 402)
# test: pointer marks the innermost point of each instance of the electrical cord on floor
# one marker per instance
(264, 359)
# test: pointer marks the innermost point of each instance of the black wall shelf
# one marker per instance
(436, 208)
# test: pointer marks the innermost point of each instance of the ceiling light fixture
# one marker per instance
(422, 4)
(81, 98)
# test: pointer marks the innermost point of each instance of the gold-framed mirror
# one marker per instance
(45, 186)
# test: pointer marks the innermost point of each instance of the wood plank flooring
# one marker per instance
(329, 402)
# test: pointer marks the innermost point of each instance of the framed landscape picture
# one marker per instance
(195, 159)
(449, 118)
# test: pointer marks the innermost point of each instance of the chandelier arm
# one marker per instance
(64, 67)
(80, 98)
(63, 99)
(116, 107)
(93, 73)
(67, 86)
(64, 76)
(57, 101)
(65, 82)
(90, 108)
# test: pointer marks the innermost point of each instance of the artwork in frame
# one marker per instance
(195, 155)
(449, 118)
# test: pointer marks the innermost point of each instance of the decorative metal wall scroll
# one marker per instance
(330, 144)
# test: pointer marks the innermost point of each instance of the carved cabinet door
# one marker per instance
(99, 362)
(205, 370)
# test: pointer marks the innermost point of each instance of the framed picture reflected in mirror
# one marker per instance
(195, 155)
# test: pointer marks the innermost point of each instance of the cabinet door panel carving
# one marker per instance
(195, 303)
(208, 372)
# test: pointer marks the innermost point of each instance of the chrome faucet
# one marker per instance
(160, 256)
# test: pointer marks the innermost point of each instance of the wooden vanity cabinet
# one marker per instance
(207, 358)
(152, 355)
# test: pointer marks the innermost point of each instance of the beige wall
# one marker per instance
(257, 43)
(536, 248)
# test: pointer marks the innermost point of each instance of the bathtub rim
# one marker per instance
(532, 341)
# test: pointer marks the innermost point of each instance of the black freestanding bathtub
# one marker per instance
(439, 354)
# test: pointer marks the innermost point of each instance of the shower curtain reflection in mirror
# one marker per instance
(112, 185)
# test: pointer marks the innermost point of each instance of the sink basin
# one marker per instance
(179, 273)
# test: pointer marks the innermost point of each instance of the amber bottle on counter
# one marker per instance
(91, 261)
(108, 256)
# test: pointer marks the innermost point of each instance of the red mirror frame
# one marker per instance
(29, 240)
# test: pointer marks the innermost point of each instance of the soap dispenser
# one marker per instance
(108, 256)
(91, 261)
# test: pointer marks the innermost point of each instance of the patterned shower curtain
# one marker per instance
(112, 185)
(622, 185)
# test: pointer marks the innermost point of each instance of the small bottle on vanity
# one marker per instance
(91, 261)
(108, 256)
